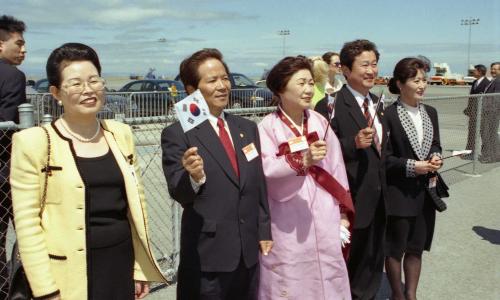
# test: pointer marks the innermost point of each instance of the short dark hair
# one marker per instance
(494, 63)
(406, 68)
(280, 74)
(481, 69)
(351, 50)
(70, 52)
(327, 57)
(8, 25)
(188, 70)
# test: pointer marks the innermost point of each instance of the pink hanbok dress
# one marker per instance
(306, 262)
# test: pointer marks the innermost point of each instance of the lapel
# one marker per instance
(353, 107)
(207, 136)
(240, 140)
(421, 151)
(428, 131)
(474, 87)
(119, 149)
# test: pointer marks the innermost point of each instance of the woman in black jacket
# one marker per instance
(413, 152)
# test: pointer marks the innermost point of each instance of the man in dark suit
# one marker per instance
(221, 188)
(478, 87)
(490, 117)
(12, 94)
(363, 150)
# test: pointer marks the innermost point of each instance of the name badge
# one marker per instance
(250, 152)
(298, 144)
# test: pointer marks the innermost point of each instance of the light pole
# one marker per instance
(469, 22)
(284, 33)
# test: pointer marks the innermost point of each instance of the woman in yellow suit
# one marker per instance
(89, 240)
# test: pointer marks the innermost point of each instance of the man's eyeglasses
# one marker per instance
(78, 87)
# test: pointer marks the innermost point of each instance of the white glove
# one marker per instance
(345, 236)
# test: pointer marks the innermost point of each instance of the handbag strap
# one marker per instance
(47, 173)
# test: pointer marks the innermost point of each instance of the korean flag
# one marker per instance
(192, 110)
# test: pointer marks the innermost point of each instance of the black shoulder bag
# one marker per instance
(437, 191)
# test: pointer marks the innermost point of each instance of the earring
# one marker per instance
(59, 103)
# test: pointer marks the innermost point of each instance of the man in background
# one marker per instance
(490, 117)
(478, 87)
(12, 94)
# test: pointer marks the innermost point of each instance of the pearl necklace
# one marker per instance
(78, 138)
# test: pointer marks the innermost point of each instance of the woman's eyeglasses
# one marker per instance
(78, 87)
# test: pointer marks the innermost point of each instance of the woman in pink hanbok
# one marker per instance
(310, 204)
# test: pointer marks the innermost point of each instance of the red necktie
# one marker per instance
(369, 120)
(228, 146)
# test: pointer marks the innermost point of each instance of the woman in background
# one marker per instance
(333, 60)
(320, 76)
(413, 153)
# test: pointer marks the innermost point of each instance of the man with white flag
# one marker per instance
(213, 169)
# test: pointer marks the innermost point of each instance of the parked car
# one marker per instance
(245, 93)
(41, 86)
(154, 96)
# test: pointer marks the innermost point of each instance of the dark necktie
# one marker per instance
(369, 120)
(228, 146)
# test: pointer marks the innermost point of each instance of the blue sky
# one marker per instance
(127, 34)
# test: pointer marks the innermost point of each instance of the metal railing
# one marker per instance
(120, 105)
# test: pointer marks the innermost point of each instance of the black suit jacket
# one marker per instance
(12, 94)
(480, 88)
(365, 167)
(405, 195)
(471, 108)
(229, 215)
(491, 104)
(12, 91)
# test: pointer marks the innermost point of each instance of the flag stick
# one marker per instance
(330, 113)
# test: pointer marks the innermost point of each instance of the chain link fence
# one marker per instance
(147, 123)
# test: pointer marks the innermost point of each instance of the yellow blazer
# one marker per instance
(53, 247)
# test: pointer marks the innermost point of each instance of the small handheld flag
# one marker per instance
(379, 104)
(192, 110)
(331, 112)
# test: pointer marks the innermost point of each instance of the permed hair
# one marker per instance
(66, 54)
(280, 74)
